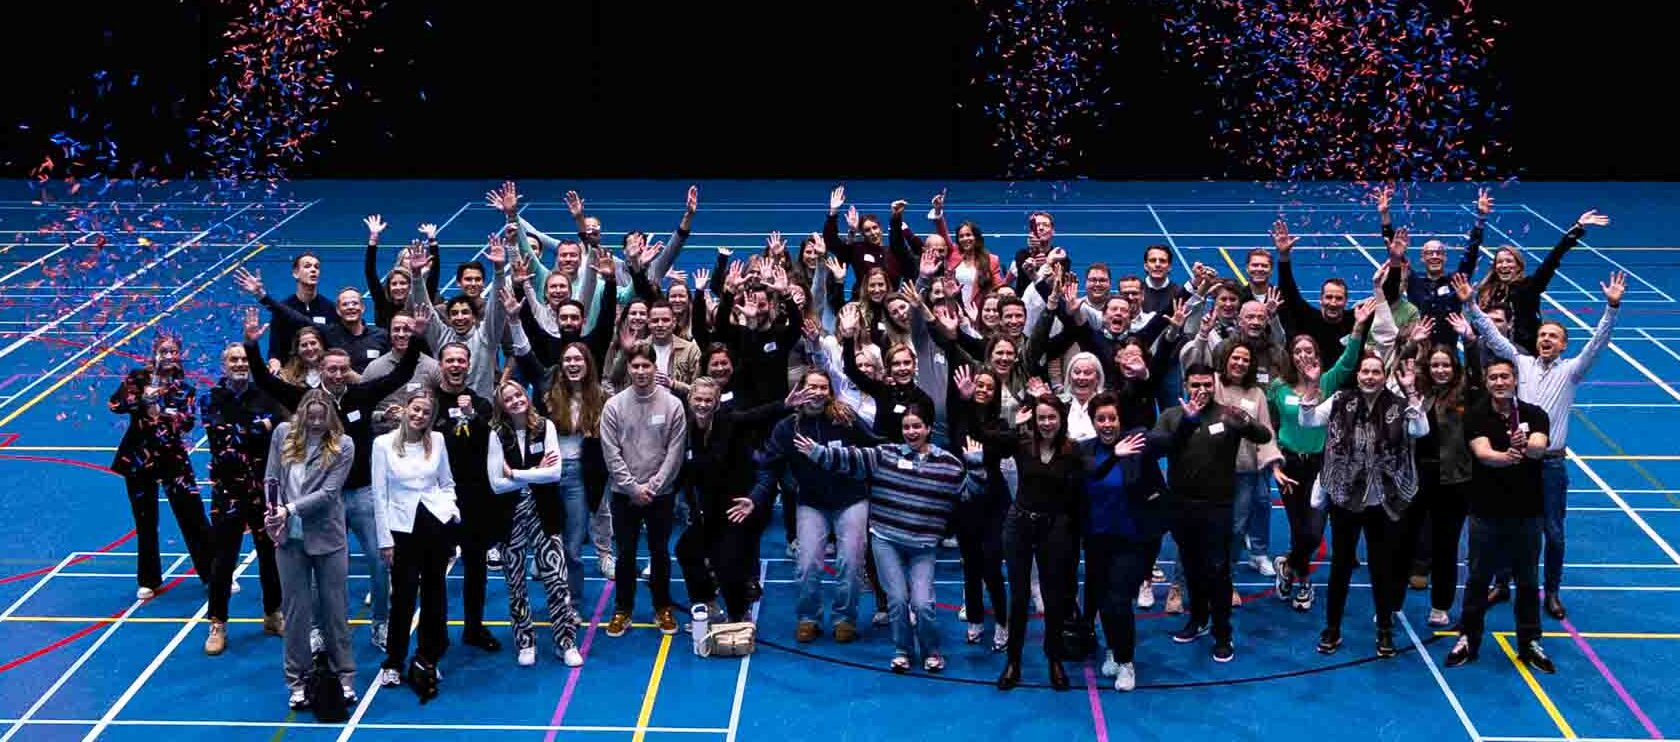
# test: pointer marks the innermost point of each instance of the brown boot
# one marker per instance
(807, 631)
(274, 624)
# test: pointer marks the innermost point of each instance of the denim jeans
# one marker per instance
(363, 522)
(894, 564)
(1554, 485)
(575, 505)
(1251, 515)
(850, 525)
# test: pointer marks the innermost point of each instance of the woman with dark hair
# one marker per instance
(309, 348)
(574, 399)
(1508, 285)
(1369, 479)
(1444, 467)
(159, 401)
(524, 460)
(976, 413)
(1042, 529)
(1252, 527)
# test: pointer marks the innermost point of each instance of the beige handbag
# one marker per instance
(729, 640)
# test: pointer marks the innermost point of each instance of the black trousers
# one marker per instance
(486, 520)
(628, 519)
(980, 543)
(418, 566)
(182, 492)
(1345, 529)
(1434, 521)
(713, 555)
(1050, 541)
(1503, 545)
(1114, 568)
(1306, 523)
(1203, 534)
(234, 510)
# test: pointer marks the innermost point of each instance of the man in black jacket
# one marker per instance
(1327, 325)
(464, 420)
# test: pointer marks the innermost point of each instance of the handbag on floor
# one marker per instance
(728, 640)
(326, 695)
(1078, 640)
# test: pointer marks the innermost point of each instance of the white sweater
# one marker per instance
(401, 484)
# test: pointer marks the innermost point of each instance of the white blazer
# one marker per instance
(402, 484)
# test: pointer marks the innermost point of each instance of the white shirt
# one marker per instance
(662, 356)
(401, 484)
(571, 446)
(534, 451)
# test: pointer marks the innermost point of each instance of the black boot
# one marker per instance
(1058, 676)
(1011, 676)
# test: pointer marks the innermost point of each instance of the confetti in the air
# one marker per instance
(1347, 90)
(1045, 60)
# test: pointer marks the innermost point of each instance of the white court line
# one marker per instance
(1638, 519)
(53, 372)
(1537, 252)
(163, 654)
(42, 259)
(746, 662)
(1599, 252)
(1446, 688)
(1664, 348)
(121, 282)
(54, 572)
(47, 695)
(301, 724)
(1367, 255)
(1181, 261)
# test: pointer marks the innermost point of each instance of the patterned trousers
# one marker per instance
(528, 537)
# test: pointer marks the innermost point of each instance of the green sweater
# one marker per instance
(1292, 436)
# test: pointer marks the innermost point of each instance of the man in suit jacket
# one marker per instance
(679, 357)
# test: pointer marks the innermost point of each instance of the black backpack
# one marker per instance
(326, 695)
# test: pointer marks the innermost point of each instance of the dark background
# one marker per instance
(859, 89)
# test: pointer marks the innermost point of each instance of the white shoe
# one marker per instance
(608, 565)
(1126, 679)
(572, 657)
(1146, 595)
(349, 693)
(493, 558)
(962, 613)
(949, 542)
(1000, 638)
(647, 572)
(233, 588)
(1037, 599)
(144, 593)
(1157, 576)
(527, 656)
(1110, 668)
(793, 550)
(880, 619)
(367, 600)
(298, 701)
(389, 678)
(1439, 618)
(975, 631)
(1263, 565)
(317, 642)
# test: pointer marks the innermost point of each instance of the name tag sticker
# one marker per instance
(535, 448)
(353, 415)
(413, 386)
(906, 464)
(833, 444)
(770, 347)
(1263, 377)
(656, 420)
(456, 412)
(939, 359)
(1216, 429)
(1441, 290)
(726, 397)
(373, 352)
(1522, 427)
(1247, 405)
(1292, 399)
(688, 455)
(882, 326)
(898, 409)
(319, 320)
(868, 258)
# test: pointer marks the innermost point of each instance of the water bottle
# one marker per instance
(701, 616)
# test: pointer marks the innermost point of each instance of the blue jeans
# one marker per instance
(894, 562)
(1251, 514)
(362, 521)
(850, 526)
(1554, 485)
(575, 505)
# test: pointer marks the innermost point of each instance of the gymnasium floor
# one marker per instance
(83, 285)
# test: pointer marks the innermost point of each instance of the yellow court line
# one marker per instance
(652, 691)
(179, 620)
(1241, 276)
(1534, 685)
(147, 325)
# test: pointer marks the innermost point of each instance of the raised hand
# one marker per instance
(1461, 326)
(1461, 286)
(939, 204)
(929, 264)
(1194, 405)
(702, 278)
(849, 320)
(911, 295)
(1070, 295)
(736, 274)
(1423, 328)
(1180, 312)
(1024, 414)
(1131, 445)
(1484, 202)
(835, 268)
(521, 269)
(972, 447)
(1397, 246)
(812, 330)
(1406, 375)
(898, 206)
(429, 231)
(509, 303)
(1592, 219)
(416, 259)
(836, 199)
(964, 379)
(1614, 290)
(1383, 195)
(775, 245)
(1274, 299)
(254, 326)
(1364, 309)
(574, 204)
(677, 277)
(375, 225)
(249, 282)
(948, 319)
(692, 202)
(495, 251)
(1037, 388)
(1281, 238)
(604, 264)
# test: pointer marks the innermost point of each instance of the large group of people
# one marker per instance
(1032, 414)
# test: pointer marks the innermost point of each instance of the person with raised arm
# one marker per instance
(1431, 290)
(862, 256)
(1549, 380)
(344, 328)
(390, 294)
(1327, 325)
(481, 332)
(1508, 286)
(306, 300)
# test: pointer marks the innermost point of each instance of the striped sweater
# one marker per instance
(911, 495)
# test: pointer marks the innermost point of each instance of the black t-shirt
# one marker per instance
(1510, 491)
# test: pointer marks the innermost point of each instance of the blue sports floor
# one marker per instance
(84, 286)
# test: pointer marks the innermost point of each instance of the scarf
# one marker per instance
(1367, 455)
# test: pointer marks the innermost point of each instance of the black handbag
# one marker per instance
(326, 695)
(1078, 640)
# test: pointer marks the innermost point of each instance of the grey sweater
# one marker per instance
(425, 377)
(644, 439)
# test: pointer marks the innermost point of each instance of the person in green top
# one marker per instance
(1303, 448)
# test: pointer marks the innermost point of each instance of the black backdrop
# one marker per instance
(866, 88)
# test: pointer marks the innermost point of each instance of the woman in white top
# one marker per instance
(524, 461)
(416, 490)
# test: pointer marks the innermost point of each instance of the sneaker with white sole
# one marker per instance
(1304, 593)
(298, 700)
(1175, 600)
(1000, 638)
(317, 642)
(1285, 587)
(1126, 678)
(389, 677)
(380, 631)
(527, 656)
(647, 572)
(1262, 564)
(1157, 575)
(572, 657)
(367, 600)
(1146, 595)
(493, 558)
(962, 614)
(880, 619)
(1110, 668)
(949, 542)
(1439, 618)
(349, 693)
(144, 593)
(975, 632)
(608, 565)
(793, 550)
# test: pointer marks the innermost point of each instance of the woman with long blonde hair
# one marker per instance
(308, 460)
(415, 490)
(574, 398)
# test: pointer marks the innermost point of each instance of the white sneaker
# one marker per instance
(949, 542)
(1263, 565)
(1439, 618)
(527, 656)
(1146, 595)
(1000, 638)
(975, 631)
(1110, 668)
(389, 678)
(793, 550)
(880, 619)
(233, 588)
(608, 565)
(647, 572)
(367, 600)
(381, 630)
(349, 693)
(493, 558)
(317, 642)
(572, 657)
(1156, 575)
(1126, 679)
(298, 700)
(144, 593)
(962, 613)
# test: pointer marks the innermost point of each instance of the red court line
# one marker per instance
(77, 560)
(82, 632)
(572, 680)
(10, 437)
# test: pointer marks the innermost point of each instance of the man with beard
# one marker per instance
(570, 321)
(679, 357)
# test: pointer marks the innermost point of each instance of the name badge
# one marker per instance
(868, 258)
(882, 326)
(1441, 290)
(688, 455)
(413, 386)
(373, 352)
(770, 347)
(1522, 428)
(656, 420)
(1216, 428)
(1263, 377)
(939, 359)
(1294, 399)
(353, 415)
(726, 397)
(832, 444)
(906, 464)
(535, 448)
(1247, 405)
(457, 412)
(319, 320)
(898, 409)
(171, 411)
